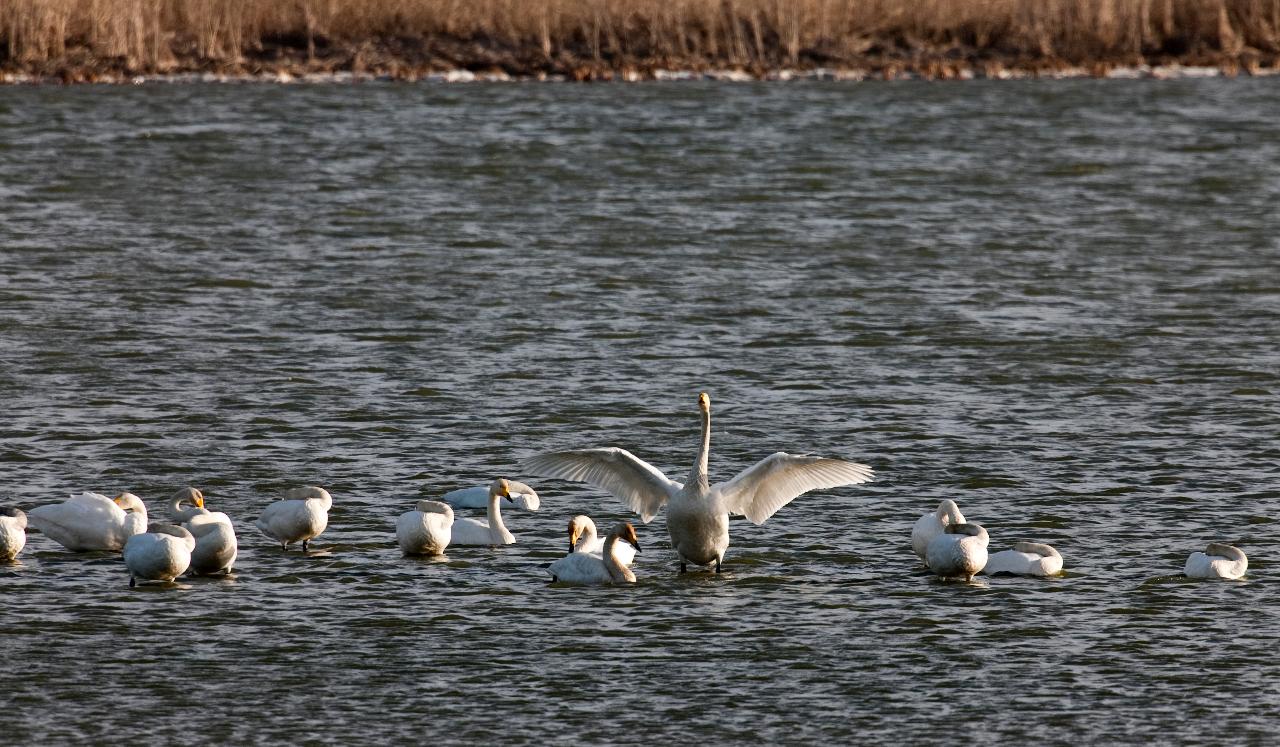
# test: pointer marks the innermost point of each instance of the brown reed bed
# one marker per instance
(590, 39)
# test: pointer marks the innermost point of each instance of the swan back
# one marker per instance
(961, 550)
(16, 516)
(427, 530)
(13, 532)
(1219, 560)
(1025, 559)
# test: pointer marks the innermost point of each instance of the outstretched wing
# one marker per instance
(759, 491)
(640, 485)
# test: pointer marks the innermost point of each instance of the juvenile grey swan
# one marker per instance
(698, 512)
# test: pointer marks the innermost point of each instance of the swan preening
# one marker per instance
(426, 530)
(186, 503)
(162, 553)
(300, 516)
(13, 532)
(932, 524)
(959, 552)
(522, 496)
(1219, 560)
(489, 531)
(91, 521)
(697, 511)
(1025, 559)
(581, 567)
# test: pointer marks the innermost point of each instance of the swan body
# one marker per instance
(162, 553)
(582, 538)
(426, 530)
(216, 545)
(1218, 560)
(186, 503)
(13, 532)
(489, 531)
(1025, 559)
(580, 567)
(522, 496)
(91, 521)
(932, 524)
(960, 551)
(697, 511)
(300, 516)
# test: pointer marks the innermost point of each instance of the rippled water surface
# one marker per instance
(1055, 302)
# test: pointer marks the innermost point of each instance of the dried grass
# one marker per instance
(160, 35)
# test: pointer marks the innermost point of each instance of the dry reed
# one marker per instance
(556, 35)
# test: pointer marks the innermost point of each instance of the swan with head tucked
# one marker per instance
(697, 511)
(932, 524)
(1025, 559)
(583, 538)
(522, 496)
(162, 553)
(481, 531)
(606, 568)
(426, 530)
(91, 521)
(300, 516)
(1219, 560)
(960, 551)
(13, 532)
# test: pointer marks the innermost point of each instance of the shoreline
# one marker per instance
(462, 75)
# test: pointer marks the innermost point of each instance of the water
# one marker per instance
(1056, 302)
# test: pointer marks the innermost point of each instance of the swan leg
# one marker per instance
(132, 582)
(682, 567)
(304, 545)
(717, 565)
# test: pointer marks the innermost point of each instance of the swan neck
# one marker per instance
(698, 476)
(617, 571)
(497, 530)
(588, 537)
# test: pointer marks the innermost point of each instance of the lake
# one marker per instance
(1056, 302)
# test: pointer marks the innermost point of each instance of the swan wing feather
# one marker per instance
(760, 490)
(639, 485)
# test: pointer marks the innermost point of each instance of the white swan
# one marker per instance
(183, 497)
(216, 545)
(161, 554)
(960, 551)
(13, 532)
(698, 512)
(582, 538)
(1218, 560)
(1025, 559)
(481, 531)
(301, 515)
(91, 521)
(588, 568)
(523, 496)
(932, 524)
(426, 530)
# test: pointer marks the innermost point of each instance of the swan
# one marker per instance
(961, 550)
(13, 532)
(426, 530)
(161, 554)
(216, 546)
(582, 538)
(1025, 559)
(698, 512)
(1218, 560)
(183, 497)
(523, 496)
(480, 531)
(302, 514)
(91, 521)
(588, 568)
(931, 525)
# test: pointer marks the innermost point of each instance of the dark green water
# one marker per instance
(1055, 302)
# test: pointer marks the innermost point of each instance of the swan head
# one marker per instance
(129, 502)
(704, 402)
(501, 488)
(15, 513)
(307, 493)
(188, 495)
(971, 529)
(577, 527)
(627, 533)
